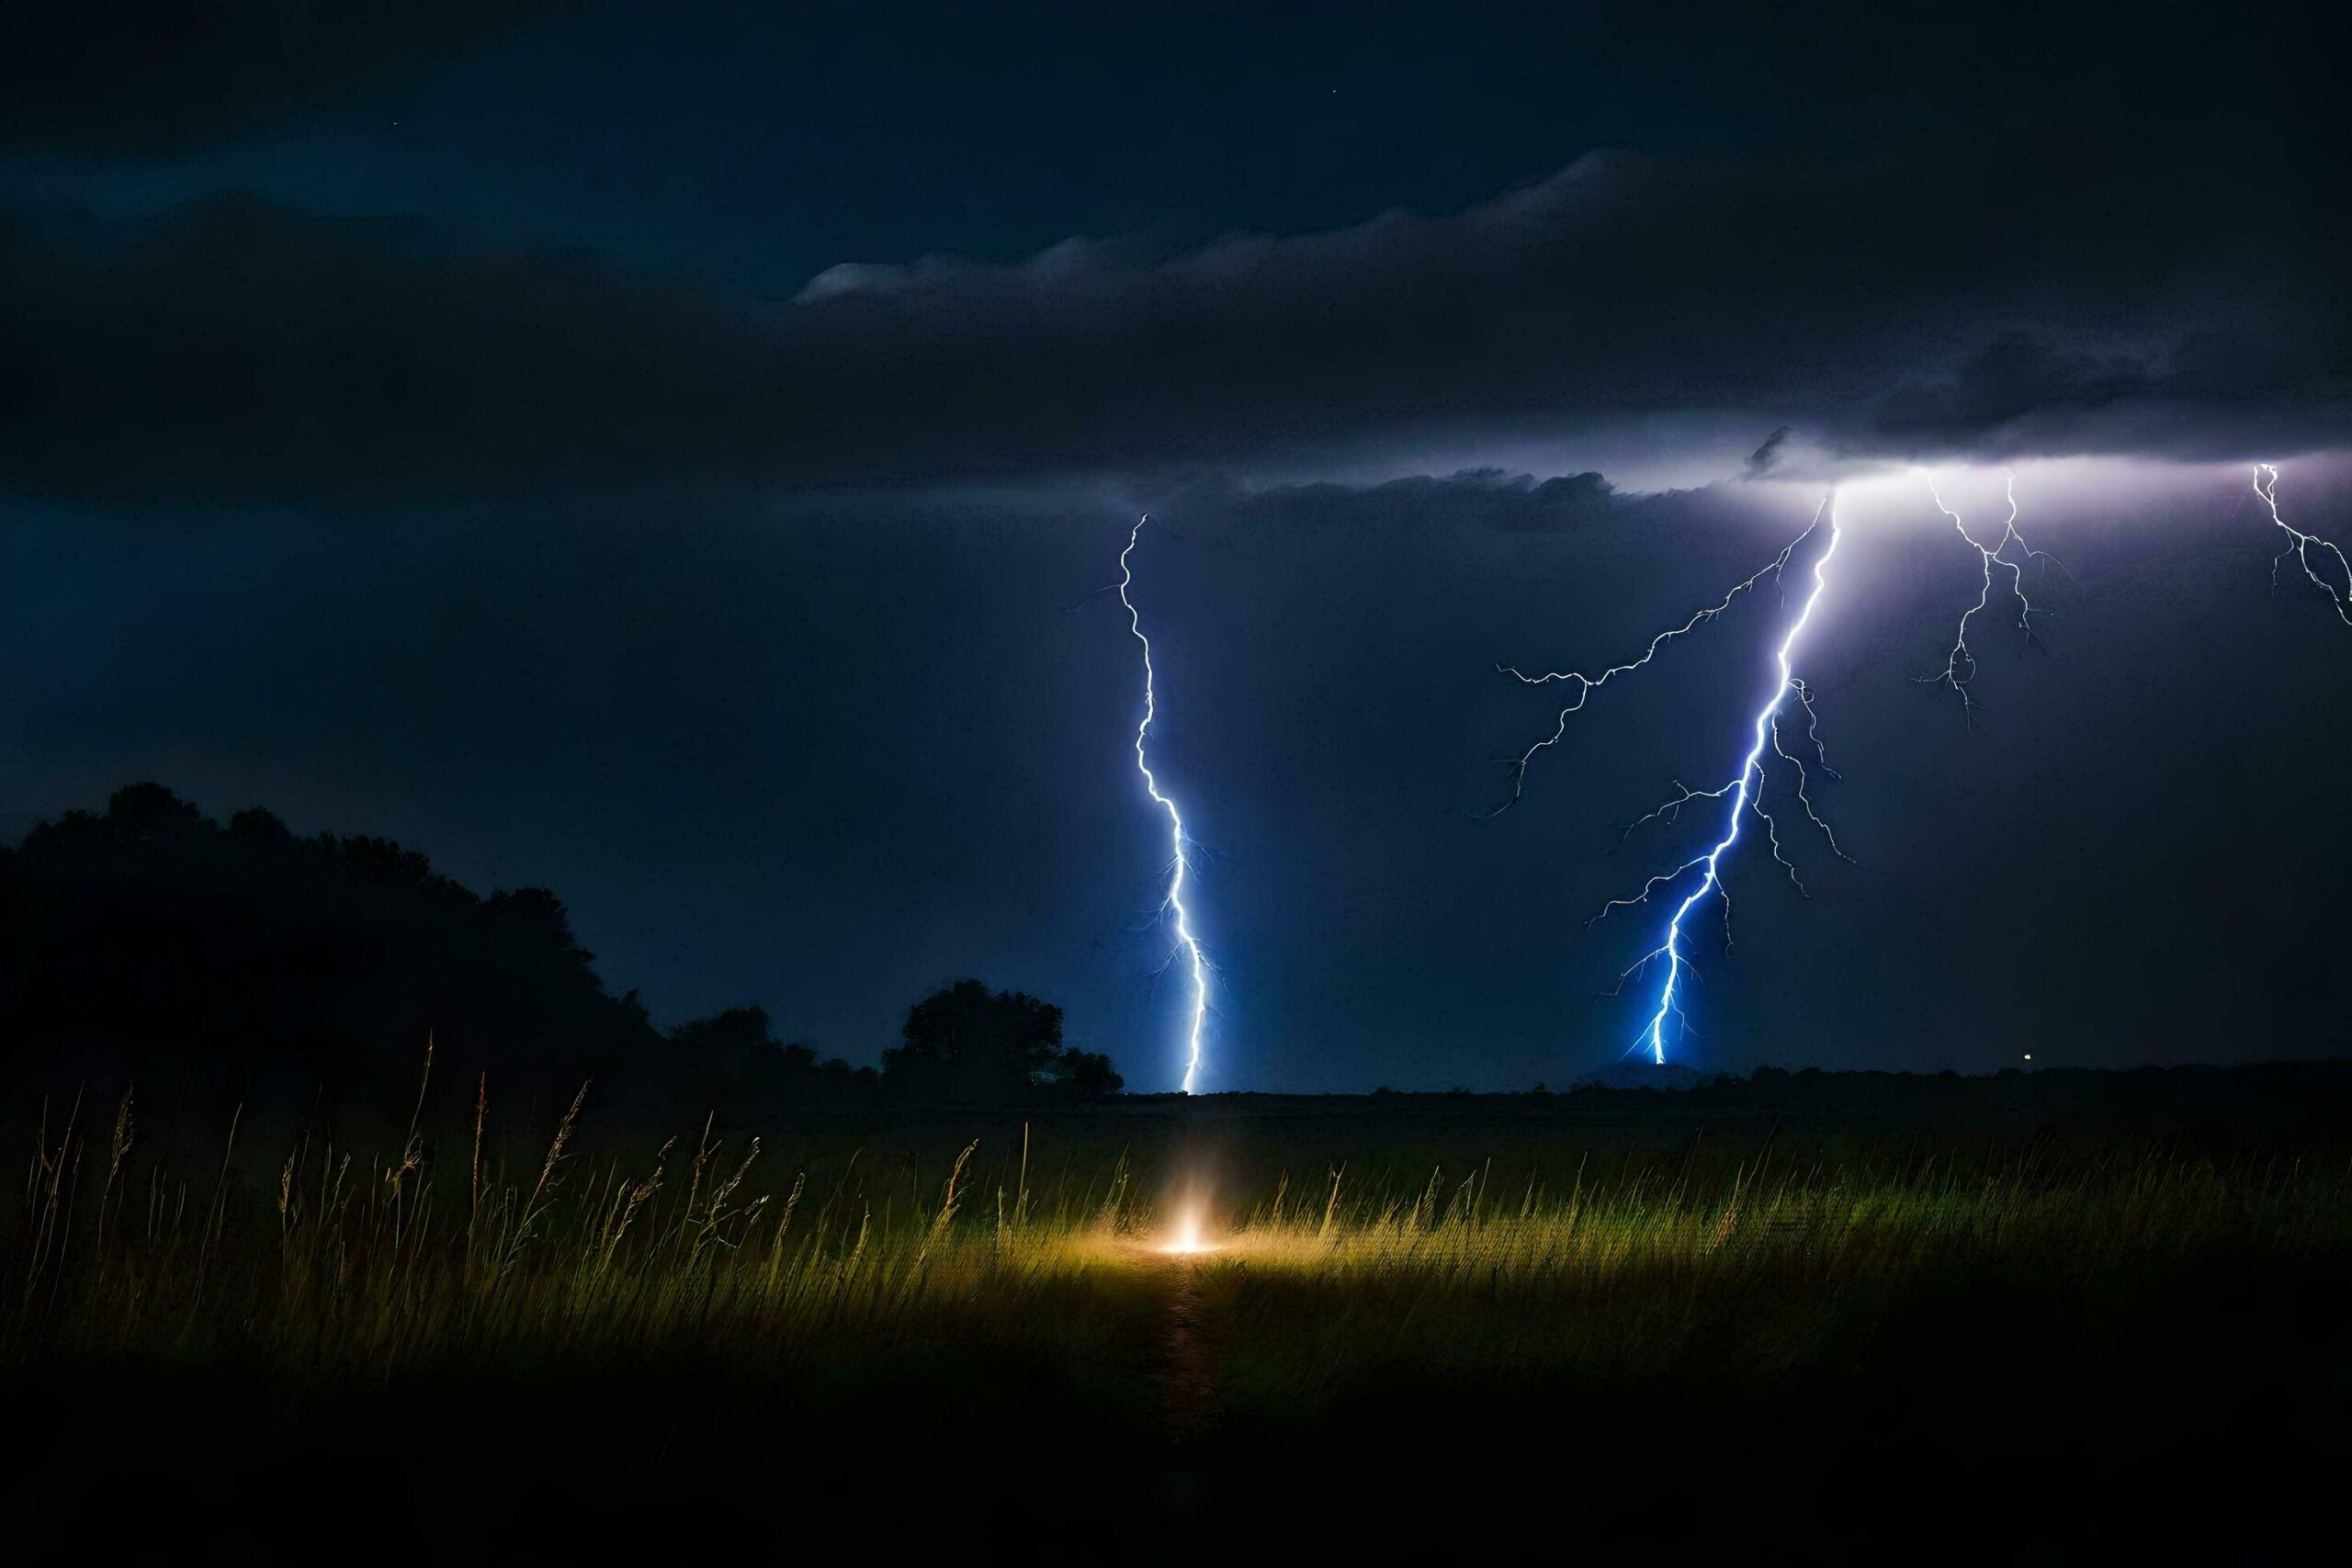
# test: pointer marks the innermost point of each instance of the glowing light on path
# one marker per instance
(1186, 942)
(2299, 545)
(1186, 1237)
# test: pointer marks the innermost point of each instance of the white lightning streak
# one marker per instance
(1587, 685)
(1745, 792)
(1959, 664)
(1175, 900)
(2299, 545)
(1797, 762)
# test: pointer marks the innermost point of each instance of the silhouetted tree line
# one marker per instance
(149, 941)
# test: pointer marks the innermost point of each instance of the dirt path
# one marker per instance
(1190, 1368)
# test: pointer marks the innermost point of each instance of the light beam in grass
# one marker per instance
(1187, 1237)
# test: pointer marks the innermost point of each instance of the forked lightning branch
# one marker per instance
(1774, 764)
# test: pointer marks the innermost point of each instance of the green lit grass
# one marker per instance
(1609, 1265)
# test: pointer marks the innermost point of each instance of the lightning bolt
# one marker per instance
(1959, 665)
(1746, 790)
(2299, 545)
(1186, 942)
(1742, 793)
(1585, 685)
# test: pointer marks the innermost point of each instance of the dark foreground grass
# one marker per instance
(1736, 1339)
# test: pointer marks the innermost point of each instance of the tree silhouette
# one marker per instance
(1086, 1074)
(965, 1045)
(732, 1058)
(149, 940)
(149, 937)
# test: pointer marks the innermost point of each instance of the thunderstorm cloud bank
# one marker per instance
(2001, 302)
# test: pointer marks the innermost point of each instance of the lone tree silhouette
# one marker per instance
(965, 1045)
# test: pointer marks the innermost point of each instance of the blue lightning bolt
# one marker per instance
(1959, 665)
(2299, 545)
(1585, 685)
(1744, 792)
(1186, 942)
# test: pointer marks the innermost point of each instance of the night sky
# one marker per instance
(672, 454)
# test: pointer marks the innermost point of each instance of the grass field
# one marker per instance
(1641, 1312)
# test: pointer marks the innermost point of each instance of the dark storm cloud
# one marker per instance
(1973, 303)
(1475, 498)
(2215, 393)
(1759, 462)
(137, 76)
(238, 350)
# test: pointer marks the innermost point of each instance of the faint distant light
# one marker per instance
(2028, 1055)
